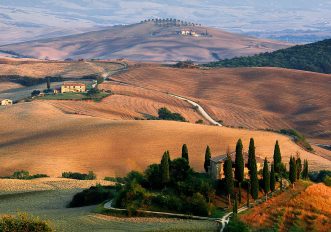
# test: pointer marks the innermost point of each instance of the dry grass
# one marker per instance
(40, 69)
(42, 139)
(249, 97)
(42, 184)
(8, 85)
(308, 208)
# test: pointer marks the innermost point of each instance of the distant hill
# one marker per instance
(153, 40)
(315, 57)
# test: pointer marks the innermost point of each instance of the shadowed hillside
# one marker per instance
(148, 41)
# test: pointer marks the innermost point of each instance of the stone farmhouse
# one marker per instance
(72, 87)
(6, 102)
(217, 163)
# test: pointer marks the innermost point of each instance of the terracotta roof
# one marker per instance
(73, 84)
(221, 158)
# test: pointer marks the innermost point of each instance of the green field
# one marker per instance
(51, 205)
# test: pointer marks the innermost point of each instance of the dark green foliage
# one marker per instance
(239, 194)
(48, 82)
(200, 121)
(184, 64)
(28, 81)
(135, 176)
(165, 169)
(35, 93)
(248, 192)
(92, 196)
(314, 57)
(277, 157)
(179, 170)
(229, 185)
(266, 177)
(254, 180)
(185, 152)
(23, 222)
(298, 168)
(251, 154)
(298, 138)
(115, 179)
(305, 170)
(198, 205)
(319, 176)
(272, 178)
(79, 176)
(207, 158)
(153, 176)
(235, 206)
(239, 162)
(235, 225)
(25, 175)
(293, 170)
(165, 114)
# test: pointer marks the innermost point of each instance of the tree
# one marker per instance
(239, 193)
(272, 178)
(235, 206)
(299, 167)
(185, 152)
(179, 169)
(239, 162)
(48, 81)
(277, 157)
(251, 154)
(153, 176)
(165, 173)
(293, 171)
(266, 178)
(248, 192)
(254, 180)
(305, 170)
(229, 186)
(207, 158)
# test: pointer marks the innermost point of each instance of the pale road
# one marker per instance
(199, 108)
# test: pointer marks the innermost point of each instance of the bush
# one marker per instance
(25, 175)
(94, 195)
(298, 138)
(319, 176)
(200, 121)
(327, 181)
(23, 222)
(165, 114)
(79, 176)
(115, 179)
(198, 205)
(235, 225)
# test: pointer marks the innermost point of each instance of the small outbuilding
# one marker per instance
(6, 102)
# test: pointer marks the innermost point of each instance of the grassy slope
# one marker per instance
(40, 138)
(249, 97)
(307, 207)
(315, 57)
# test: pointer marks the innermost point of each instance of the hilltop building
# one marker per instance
(216, 165)
(6, 102)
(72, 87)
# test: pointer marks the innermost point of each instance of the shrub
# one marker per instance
(23, 222)
(79, 176)
(94, 195)
(165, 114)
(235, 225)
(25, 175)
(327, 180)
(200, 121)
(319, 176)
(298, 138)
(115, 179)
(198, 205)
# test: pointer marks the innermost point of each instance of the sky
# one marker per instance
(23, 19)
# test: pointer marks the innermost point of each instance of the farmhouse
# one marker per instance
(6, 102)
(71, 87)
(216, 165)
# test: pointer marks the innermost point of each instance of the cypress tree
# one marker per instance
(305, 170)
(229, 186)
(239, 193)
(48, 82)
(207, 159)
(235, 206)
(266, 178)
(239, 162)
(248, 192)
(185, 152)
(272, 178)
(254, 180)
(293, 172)
(251, 154)
(299, 167)
(277, 157)
(165, 172)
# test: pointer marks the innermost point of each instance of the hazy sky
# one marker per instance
(40, 16)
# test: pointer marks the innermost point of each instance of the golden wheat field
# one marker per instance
(40, 138)
(40, 69)
(248, 97)
(305, 207)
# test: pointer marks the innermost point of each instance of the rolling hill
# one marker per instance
(148, 41)
(315, 57)
(256, 98)
(42, 139)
